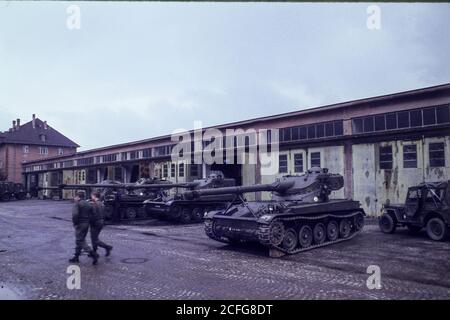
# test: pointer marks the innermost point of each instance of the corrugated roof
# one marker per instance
(26, 134)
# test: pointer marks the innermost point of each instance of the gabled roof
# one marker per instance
(26, 134)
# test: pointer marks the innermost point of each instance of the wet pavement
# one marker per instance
(156, 260)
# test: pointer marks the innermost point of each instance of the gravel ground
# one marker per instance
(155, 260)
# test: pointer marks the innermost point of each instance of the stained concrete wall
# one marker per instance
(331, 157)
(374, 187)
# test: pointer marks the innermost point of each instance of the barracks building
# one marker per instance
(381, 145)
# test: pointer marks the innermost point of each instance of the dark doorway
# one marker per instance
(134, 173)
(230, 171)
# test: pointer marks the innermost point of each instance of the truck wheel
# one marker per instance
(345, 228)
(6, 197)
(319, 233)
(387, 223)
(305, 236)
(290, 240)
(175, 213)
(436, 229)
(332, 230)
(185, 216)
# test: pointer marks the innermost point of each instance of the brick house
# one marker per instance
(34, 140)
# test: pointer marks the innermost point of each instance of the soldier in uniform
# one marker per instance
(81, 216)
(96, 224)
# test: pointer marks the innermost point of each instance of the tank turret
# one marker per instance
(314, 186)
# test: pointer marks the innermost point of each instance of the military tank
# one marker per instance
(179, 208)
(11, 190)
(299, 217)
(125, 201)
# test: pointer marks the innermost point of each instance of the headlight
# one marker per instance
(316, 199)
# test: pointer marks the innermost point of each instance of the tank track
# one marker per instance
(264, 231)
(264, 236)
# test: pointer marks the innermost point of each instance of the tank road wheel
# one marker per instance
(387, 223)
(319, 233)
(290, 240)
(276, 233)
(109, 211)
(197, 214)
(345, 227)
(175, 213)
(436, 229)
(185, 216)
(130, 213)
(305, 236)
(141, 212)
(332, 230)
(359, 222)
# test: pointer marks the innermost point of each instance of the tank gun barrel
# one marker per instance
(273, 187)
(127, 186)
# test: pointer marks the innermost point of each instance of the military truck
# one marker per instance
(299, 217)
(179, 208)
(426, 206)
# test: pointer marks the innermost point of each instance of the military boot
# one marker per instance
(75, 259)
(94, 255)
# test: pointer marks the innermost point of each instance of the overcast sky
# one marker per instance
(138, 70)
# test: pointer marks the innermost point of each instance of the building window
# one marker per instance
(43, 137)
(313, 131)
(165, 171)
(26, 149)
(172, 170)
(402, 119)
(437, 154)
(315, 159)
(194, 170)
(146, 153)
(181, 170)
(298, 162)
(118, 173)
(43, 150)
(410, 156)
(60, 151)
(282, 163)
(386, 157)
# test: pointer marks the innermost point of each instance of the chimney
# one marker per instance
(45, 125)
(14, 125)
(34, 121)
(18, 123)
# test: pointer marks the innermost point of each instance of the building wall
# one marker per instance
(374, 187)
(12, 156)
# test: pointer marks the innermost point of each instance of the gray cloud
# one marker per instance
(137, 70)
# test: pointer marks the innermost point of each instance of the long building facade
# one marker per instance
(381, 145)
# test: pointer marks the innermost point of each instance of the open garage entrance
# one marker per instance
(230, 171)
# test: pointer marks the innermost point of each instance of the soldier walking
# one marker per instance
(96, 224)
(81, 216)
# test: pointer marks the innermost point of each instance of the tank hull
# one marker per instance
(299, 228)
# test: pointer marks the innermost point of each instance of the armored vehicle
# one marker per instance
(124, 201)
(9, 190)
(427, 206)
(300, 216)
(6, 190)
(179, 208)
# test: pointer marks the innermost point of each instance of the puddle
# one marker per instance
(8, 294)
